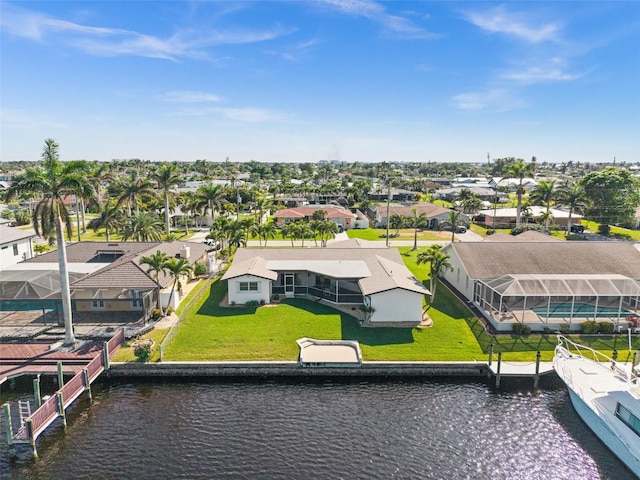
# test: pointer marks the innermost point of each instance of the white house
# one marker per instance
(15, 245)
(354, 272)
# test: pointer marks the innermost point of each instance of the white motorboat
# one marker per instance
(606, 395)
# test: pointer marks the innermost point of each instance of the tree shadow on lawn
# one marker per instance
(350, 326)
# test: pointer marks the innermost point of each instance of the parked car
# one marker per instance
(459, 228)
(212, 243)
(577, 228)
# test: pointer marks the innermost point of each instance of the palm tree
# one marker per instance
(263, 204)
(439, 262)
(416, 221)
(396, 222)
(143, 227)
(166, 177)
(454, 221)
(157, 263)
(129, 190)
(572, 196)
(54, 180)
(177, 268)
(110, 219)
(290, 231)
(265, 231)
(212, 197)
(328, 230)
(545, 193)
(520, 170)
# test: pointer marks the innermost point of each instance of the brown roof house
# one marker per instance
(555, 285)
(107, 280)
(339, 215)
(435, 214)
(352, 272)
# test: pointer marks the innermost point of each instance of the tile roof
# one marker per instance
(302, 212)
(124, 269)
(528, 236)
(387, 269)
(12, 234)
(429, 209)
(485, 260)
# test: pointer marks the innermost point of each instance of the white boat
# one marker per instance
(606, 395)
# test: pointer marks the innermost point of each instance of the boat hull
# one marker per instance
(600, 428)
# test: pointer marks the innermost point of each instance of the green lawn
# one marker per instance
(214, 333)
(403, 234)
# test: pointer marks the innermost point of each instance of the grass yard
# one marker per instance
(215, 333)
(404, 234)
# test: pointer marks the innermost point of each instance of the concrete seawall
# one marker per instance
(293, 369)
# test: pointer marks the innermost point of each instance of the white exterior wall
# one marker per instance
(397, 305)
(240, 298)
(458, 277)
(7, 256)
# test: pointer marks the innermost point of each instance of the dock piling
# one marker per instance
(536, 377)
(87, 384)
(60, 375)
(6, 408)
(61, 411)
(498, 371)
(36, 391)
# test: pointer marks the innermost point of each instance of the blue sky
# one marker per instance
(352, 80)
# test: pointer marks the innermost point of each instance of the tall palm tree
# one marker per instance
(396, 222)
(454, 221)
(519, 170)
(167, 176)
(129, 190)
(143, 227)
(416, 222)
(212, 197)
(157, 263)
(575, 198)
(178, 268)
(328, 230)
(439, 262)
(545, 193)
(110, 218)
(54, 180)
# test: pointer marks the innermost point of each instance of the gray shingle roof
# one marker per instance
(484, 260)
(12, 234)
(528, 236)
(385, 265)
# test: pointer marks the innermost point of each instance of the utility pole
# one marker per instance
(388, 208)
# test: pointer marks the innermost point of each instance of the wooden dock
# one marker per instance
(500, 368)
(86, 363)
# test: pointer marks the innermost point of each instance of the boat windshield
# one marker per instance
(628, 418)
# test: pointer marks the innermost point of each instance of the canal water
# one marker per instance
(322, 429)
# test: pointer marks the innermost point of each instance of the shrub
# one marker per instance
(199, 269)
(251, 303)
(521, 329)
(565, 328)
(143, 349)
(276, 296)
(589, 327)
(156, 314)
(547, 330)
(604, 229)
(606, 328)
(170, 310)
(490, 231)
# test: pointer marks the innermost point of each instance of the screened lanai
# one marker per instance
(548, 297)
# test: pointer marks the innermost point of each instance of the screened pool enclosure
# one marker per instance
(567, 297)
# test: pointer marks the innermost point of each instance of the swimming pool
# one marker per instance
(586, 310)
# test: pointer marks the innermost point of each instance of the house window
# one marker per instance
(15, 249)
(248, 286)
(98, 305)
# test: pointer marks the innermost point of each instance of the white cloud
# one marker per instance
(182, 96)
(22, 119)
(552, 70)
(499, 20)
(110, 42)
(376, 12)
(496, 99)
(249, 115)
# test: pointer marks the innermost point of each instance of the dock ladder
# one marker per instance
(24, 407)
